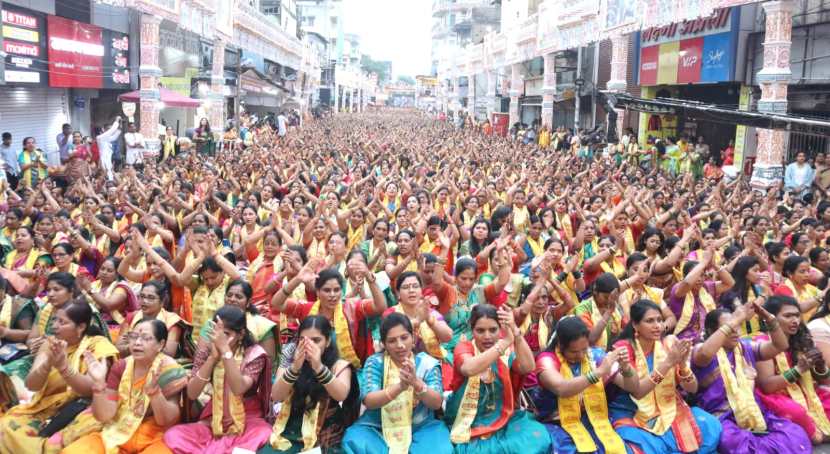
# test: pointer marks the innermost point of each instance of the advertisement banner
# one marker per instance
(76, 55)
(694, 51)
(740, 130)
(717, 58)
(24, 42)
(116, 59)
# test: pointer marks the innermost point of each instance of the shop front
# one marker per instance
(694, 61)
(30, 107)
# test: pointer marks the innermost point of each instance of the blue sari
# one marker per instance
(429, 435)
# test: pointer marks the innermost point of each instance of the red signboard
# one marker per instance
(648, 65)
(689, 61)
(76, 54)
(29, 50)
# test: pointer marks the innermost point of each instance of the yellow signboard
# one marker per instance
(740, 130)
(21, 34)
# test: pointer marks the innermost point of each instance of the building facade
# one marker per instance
(551, 60)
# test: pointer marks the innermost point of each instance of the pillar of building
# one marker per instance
(515, 91)
(354, 100)
(773, 79)
(471, 94)
(217, 86)
(338, 93)
(619, 67)
(548, 89)
(492, 101)
(362, 100)
(149, 73)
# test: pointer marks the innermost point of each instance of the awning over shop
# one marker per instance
(168, 97)
(708, 112)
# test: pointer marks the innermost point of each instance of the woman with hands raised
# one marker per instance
(572, 402)
(137, 399)
(402, 390)
(726, 367)
(239, 371)
(483, 408)
(317, 390)
(651, 414)
(53, 418)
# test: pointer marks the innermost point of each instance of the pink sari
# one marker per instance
(198, 436)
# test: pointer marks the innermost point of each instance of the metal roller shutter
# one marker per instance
(34, 111)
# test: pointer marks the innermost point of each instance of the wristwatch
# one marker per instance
(227, 355)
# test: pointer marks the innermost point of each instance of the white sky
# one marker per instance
(397, 30)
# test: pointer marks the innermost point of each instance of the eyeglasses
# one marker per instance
(147, 297)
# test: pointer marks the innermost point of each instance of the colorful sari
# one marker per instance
(11, 314)
(241, 423)
(428, 435)
(170, 320)
(780, 435)
(483, 416)
(580, 414)
(134, 429)
(260, 274)
(654, 424)
(115, 318)
(20, 426)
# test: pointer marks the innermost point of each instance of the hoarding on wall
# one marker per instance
(24, 42)
(621, 12)
(76, 55)
(694, 51)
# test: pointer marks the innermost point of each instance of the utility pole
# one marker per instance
(578, 97)
(236, 106)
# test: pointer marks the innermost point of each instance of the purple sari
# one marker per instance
(782, 436)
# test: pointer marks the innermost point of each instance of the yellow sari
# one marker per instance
(19, 427)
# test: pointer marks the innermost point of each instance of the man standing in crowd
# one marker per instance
(282, 124)
(10, 156)
(105, 140)
(64, 140)
(135, 145)
(799, 175)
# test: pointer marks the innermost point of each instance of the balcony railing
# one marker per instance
(267, 27)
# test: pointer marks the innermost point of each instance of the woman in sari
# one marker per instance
(638, 269)
(748, 287)
(137, 400)
(154, 300)
(602, 312)
(263, 330)
(652, 415)
(796, 272)
(111, 295)
(264, 272)
(726, 367)
(375, 248)
(347, 315)
(17, 316)
(239, 371)
(402, 390)
(24, 256)
(317, 390)
(693, 297)
(482, 409)
(796, 396)
(432, 330)
(572, 401)
(53, 418)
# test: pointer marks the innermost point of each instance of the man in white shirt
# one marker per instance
(282, 124)
(10, 156)
(105, 140)
(135, 145)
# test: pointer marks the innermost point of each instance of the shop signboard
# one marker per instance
(24, 42)
(694, 51)
(76, 55)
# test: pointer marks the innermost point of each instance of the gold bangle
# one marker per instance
(196, 374)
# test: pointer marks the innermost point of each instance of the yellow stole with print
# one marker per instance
(564, 221)
(689, 308)
(808, 291)
(132, 406)
(536, 246)
(117, 316)
(235, 404)
(739, 389)
(396, 416)
(468, 408)
(27, 264)
(630, 296)
(521, 217)
(6, 312)
(170, 319)
(616, 268)
(628, 241)
(570, 409)
(342, 332)
(317, 249)
(355, 237)
(659, 405)
(614, 325)
(543, 332)
(431, 344)
(752, 326)
(102, 243)
(308, 430)
(43, 318)
(804, 393)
